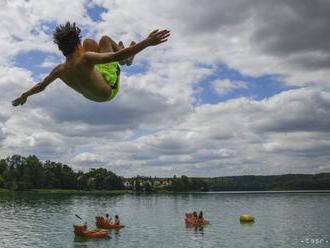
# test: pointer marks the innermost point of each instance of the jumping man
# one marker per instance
(92, 69)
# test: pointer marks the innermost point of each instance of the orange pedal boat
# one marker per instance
(101, 222)
(190, 220)
(81, 230)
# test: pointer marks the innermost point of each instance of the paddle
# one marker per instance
(78, 216)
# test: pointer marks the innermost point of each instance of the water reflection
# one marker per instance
(195, 229)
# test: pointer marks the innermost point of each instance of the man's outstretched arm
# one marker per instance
(55, 73)
(156, 37)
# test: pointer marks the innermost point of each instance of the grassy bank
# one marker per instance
(75, 191)
(71, 191)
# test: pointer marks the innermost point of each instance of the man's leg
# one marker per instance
(106, 44)
(91, 46)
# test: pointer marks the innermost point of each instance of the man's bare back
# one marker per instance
(79, 72)
(84, 78)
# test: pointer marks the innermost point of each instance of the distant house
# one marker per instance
(156, 183)
(147, 182)
(127, 184)
(166, 182)
(161, 183)
(143, 182)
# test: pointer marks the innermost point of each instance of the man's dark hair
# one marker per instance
(67, 37)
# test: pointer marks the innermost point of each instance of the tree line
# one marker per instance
(185, 183)
(24, 173)
(277, 182)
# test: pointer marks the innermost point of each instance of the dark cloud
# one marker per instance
(281, 28)
(295, 26)
(211, 16)
(291, 28)
(130, 109)
(300, 112)
(317, 151)
(3, 117)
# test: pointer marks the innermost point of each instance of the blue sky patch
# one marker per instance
(137, 68)
(49, 27)
(140, 132)
(257, 88)
(82, 149)
(95, 11)
(32, 61)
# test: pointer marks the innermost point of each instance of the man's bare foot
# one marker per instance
(130, 59)
(121, 45)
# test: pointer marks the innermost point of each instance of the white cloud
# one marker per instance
(23, 24)
(49, 63)
(227, 138)
(225, 86)
(288, 132)
(237, 33)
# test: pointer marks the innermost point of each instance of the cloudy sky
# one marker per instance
(242, 87)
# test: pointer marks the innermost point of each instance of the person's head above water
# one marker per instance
(107, 215)
(67, 37)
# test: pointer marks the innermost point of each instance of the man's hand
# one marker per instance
(157, 37)
(19, 101)
(55, 73)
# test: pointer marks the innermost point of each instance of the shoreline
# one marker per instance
(75, 191)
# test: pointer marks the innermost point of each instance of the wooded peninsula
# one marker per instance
(18, 173)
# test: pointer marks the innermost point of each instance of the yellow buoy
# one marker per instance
(246, 218)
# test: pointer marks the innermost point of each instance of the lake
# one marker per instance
(282, 219)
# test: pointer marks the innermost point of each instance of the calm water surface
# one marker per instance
(282, 220)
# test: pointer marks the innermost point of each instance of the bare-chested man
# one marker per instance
(92, 68)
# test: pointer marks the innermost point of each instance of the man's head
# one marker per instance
(67, 37)
(107, 215)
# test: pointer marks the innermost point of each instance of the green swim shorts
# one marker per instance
(111, 73)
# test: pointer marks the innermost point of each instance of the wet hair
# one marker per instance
(195, 214)
(67, 37)
(106, 215)
(116, 216)
(200, 215)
